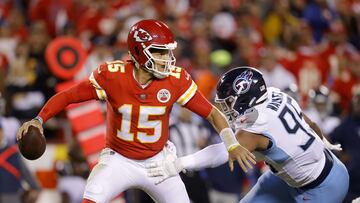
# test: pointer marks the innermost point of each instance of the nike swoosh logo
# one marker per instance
(242, 120)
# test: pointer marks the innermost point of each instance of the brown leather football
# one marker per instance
(32, 145)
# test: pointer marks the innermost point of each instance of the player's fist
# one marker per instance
(25, 127)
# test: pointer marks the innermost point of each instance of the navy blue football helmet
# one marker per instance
(238, 90)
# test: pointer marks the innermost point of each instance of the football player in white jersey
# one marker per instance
(271, 124)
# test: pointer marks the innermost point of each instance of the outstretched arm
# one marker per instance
(80, 92)
(216, 154)
(316, 128)
(209, 157)
(202, 106)
(313, 126)
(236, 151)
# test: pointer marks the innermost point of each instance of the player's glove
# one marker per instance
(328, 145)
(170, 148)
(168, 167)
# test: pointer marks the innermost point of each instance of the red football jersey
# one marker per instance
(138, 116)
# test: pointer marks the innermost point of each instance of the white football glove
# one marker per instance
(168, 167)
(328, 145)
(170, 148)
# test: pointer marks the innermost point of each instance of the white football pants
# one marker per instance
(115, 173)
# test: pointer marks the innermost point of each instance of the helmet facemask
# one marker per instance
(234, 107)
(227, 108)
(160, 67)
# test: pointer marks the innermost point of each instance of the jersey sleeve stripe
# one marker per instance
(190, 92)
(99, 91)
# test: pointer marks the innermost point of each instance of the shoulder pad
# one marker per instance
(176, 72)
(115, 66)
(111, 69)
(254, 121)
(180, 73)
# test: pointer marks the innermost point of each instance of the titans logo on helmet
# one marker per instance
(141, 35)
(242, 83)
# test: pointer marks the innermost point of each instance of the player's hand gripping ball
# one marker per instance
(32, 144)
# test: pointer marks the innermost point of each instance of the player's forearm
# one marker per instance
(317, 130)
(313, 126)
(78, 93)
(217, 120)
(209, 157)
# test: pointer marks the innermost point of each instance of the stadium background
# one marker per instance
(309, 48)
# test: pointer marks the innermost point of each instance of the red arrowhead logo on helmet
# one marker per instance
(141, 35)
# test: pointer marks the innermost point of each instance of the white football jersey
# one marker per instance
(297, 153)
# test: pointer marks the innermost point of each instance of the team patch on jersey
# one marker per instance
(163, 95)
(243, 82)
(141, 35)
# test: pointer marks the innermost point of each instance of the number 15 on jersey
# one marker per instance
(143, 122)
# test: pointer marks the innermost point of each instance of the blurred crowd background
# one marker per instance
(308, 48)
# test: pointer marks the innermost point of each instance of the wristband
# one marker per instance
(229, 139)
(232, 147)
(38, 118)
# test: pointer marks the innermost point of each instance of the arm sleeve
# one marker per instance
(83, 91)
(199, 105)
(209, 157)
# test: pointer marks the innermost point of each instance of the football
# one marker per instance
(32, 144)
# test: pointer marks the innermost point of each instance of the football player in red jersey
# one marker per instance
(140, 94)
